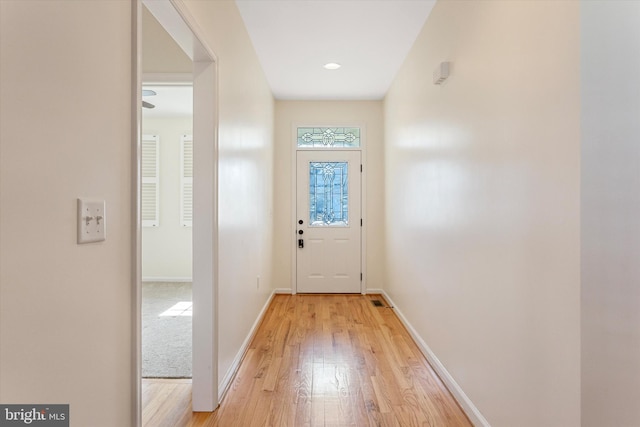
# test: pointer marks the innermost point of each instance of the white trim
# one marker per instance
(363, 209)
(463, 400)
(200, 51)
(136, 217)
(185, 32)
(167, 79)
(374, 291)
(227, 380)
(205, 237)
(363, 192)
(293, 144)
(287, 291)
(165, 279)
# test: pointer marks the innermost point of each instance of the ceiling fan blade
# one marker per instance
(148, 92)
(146, 104)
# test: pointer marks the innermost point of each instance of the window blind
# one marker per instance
(186, 183)
(150, 181)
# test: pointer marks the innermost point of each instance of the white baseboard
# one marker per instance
(373, 291)
(287, 291)
(235, 365)
(167, 279)
(465, 403)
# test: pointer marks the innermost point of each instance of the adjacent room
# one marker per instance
(166, 205)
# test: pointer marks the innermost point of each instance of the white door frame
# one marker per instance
(178, 22)
(294, 196)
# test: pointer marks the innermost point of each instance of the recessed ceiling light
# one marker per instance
(332, 66)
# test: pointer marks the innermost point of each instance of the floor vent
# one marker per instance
(377, 303)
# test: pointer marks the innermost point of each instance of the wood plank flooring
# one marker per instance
(320, 360)
(166, 402)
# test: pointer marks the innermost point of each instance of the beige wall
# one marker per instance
(245, 175)
(65, 309)
(291, 113)
(65, 317)
(610, 66)
(482, 196)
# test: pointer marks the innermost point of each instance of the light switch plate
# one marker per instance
(91, 221)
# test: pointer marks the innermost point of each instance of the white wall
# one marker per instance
(65, 309)
(610, 70)
(366, 113)
(245, 175)
(483, 207)
(166, 249)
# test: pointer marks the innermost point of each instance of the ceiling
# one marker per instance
(169, 101)
(294, 39)
(369, 38)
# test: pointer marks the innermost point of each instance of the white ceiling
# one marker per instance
(169, 101)
(369, 38)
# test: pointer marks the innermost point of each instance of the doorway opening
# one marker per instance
(198, 143)
(167, 213)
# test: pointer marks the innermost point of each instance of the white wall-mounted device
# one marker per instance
(92, 221)
(441, 73)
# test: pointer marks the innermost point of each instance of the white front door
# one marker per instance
(328, 221)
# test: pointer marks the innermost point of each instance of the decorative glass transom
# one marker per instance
(328, 194)
(329, 137)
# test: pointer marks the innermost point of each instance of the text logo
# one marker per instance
(34, 415)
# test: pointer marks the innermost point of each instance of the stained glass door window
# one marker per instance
(328, 137)
(328, 194)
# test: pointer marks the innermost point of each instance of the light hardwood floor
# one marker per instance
(320, 360)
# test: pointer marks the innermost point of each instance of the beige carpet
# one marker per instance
(166, 339)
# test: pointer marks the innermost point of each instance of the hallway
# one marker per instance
(320, 360)
(501, 213)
